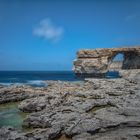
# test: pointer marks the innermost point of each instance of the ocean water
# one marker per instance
(112, 74)
(10, 115)
(37, 78)
(34, 78)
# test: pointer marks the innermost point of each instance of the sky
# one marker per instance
(46, 34)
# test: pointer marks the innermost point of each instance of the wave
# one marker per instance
(6, 84)
(37, 83)
(10, 84)
(33, 83)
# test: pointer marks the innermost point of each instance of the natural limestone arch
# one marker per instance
(96, 62)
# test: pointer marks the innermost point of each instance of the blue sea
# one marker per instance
(37, 78)
(34, 77)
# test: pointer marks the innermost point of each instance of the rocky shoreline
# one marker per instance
(95, 109)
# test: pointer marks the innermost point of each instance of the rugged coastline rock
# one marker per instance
(18, 93)
(94, 109)
(33, 105)
(9, 133)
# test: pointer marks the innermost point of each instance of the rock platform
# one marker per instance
(95, 109)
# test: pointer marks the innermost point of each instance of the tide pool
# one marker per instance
(10, 115)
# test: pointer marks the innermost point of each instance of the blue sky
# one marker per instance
(46, 34)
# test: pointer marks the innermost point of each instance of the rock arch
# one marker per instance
(96, 62)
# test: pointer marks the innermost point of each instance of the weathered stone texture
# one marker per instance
(94, 109)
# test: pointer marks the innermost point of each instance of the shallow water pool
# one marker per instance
(10, 115)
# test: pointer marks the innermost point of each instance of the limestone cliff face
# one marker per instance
(96, 62)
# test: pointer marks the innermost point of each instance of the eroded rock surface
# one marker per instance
(18, 93)
(100, 109)
(9, 133)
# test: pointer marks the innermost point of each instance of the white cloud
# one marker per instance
(46, 29)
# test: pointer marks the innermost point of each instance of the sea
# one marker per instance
(34, 78)
(37, 78)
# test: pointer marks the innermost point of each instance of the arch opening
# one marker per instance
(115, 64)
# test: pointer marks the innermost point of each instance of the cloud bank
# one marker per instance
(47, 30)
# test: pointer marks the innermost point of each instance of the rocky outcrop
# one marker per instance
(9, 133)
(34, 105)
(96, 62)
(92, 109)
(18, 93)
